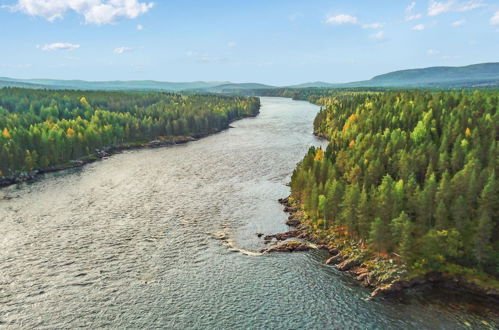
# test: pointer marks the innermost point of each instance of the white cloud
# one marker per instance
(419, 27)
(413, 17)
(409, 15)
(121, 50)
(59, 46)
(94, 11)
(231, 44)
(140, 27)
(436, 8)
(458, 23)
(373, 26)
(411, 7)
(432, 52)
(495, 19)
(378, 36)
(341, 19)
(470, 5)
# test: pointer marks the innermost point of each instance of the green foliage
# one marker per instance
(42, 128)
(411, 172)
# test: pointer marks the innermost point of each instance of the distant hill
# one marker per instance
(442, 76)
(315, 84)
(233, 87)
(11, 83)
(109, 85)
(476, 75)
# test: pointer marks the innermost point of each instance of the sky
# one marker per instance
(278, 42)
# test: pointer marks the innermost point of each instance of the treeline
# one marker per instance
(43, 128)
(312, 94)
(412, 175)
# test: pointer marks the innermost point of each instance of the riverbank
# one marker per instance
(105, 152)
(98, 155)
(383, 274)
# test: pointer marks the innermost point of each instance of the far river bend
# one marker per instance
(131, 241)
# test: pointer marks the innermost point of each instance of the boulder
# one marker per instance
(293, 221)
(347, 264)
(387, 289)
(334, 259)
(283, 236)
(333, 251)
(290, 246)
(284, 201)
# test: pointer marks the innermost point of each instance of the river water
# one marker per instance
(134, 241)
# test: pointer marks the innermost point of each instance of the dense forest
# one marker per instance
(43, 128)
(410, 175)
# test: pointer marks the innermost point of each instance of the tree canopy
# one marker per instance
(43, 128)
(410, 173)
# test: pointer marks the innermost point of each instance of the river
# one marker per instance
(133, 241)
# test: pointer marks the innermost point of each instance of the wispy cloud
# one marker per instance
(470, 5)
(140, 27)
(59, 46)
(378, 36)
(437, 8)
(432, 52)
(419, 27)
(94, 11)
(461, 22)
(231, 44)
(121, 50)
(409, 14)
(341, 19)
(495, 19)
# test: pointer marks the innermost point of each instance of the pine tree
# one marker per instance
(378, 234)
(488, 205)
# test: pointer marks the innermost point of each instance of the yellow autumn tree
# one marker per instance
(70, 132)
(6, 133)
(467, 132)
(319, 155)
(350, 121)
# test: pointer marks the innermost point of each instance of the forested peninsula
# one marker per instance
(46, 130)
(406, 192)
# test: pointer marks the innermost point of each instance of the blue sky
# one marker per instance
(270, 41)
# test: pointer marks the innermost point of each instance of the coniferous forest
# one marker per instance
(411, 175)
(43, 128)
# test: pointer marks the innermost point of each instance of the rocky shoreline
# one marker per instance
(384, 277)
